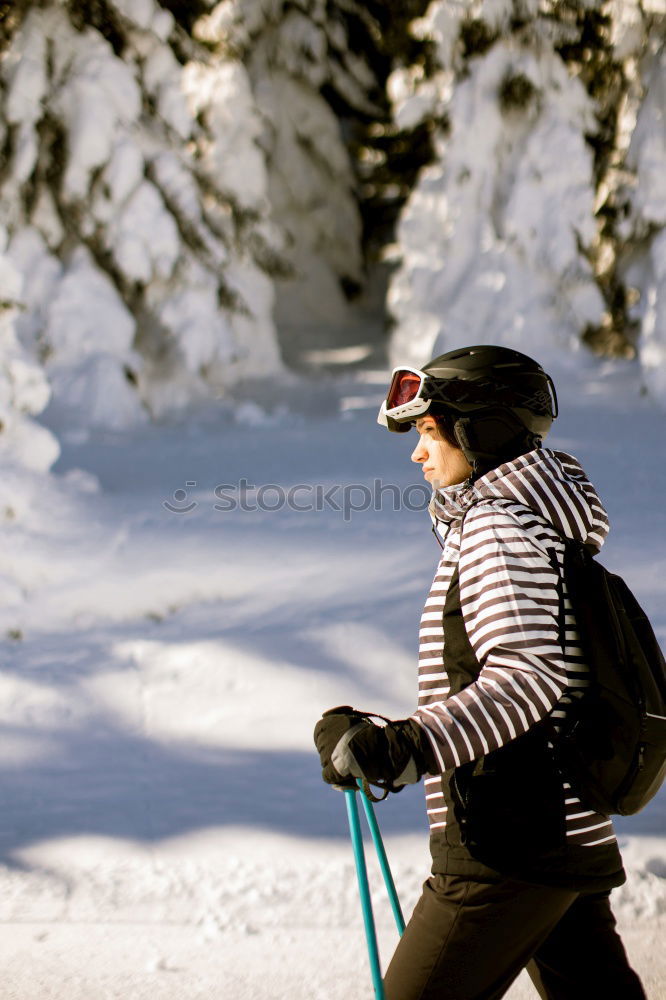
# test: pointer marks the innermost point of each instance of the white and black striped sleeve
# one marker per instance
(510, 605)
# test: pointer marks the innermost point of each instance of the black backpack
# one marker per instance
(614, 749)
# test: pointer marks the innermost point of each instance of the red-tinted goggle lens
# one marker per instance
(403, 389)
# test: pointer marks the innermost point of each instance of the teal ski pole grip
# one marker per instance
(364, 891)
(383, 860)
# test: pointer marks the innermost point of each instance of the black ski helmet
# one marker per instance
(501, 401)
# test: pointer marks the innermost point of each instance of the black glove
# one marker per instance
(328, 732)
(351, 746)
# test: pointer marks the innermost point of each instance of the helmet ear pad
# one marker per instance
(491, 436)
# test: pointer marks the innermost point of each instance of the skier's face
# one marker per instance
(443, 465)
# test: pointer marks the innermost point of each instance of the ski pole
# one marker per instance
(364, 891)
(383, 860)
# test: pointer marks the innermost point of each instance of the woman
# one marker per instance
(521, 868)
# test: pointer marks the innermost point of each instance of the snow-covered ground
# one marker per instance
(164, 830)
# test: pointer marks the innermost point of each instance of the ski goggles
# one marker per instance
(405, 400)
(412, 391)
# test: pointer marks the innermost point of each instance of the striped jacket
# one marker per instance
(510, 603)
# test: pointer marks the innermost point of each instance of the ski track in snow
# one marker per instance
(165, 832)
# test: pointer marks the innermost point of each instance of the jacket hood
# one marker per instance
(551, 483)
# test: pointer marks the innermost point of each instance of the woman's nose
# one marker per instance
(419, 455)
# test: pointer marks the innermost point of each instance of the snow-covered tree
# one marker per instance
(514, 233)
(24, 391)
(184, 179)
(305, 74)
(135, 200)
(642, 230)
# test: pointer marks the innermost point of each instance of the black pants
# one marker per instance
(468, 940)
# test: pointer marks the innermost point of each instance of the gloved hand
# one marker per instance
(329, 731)
(351, 746)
